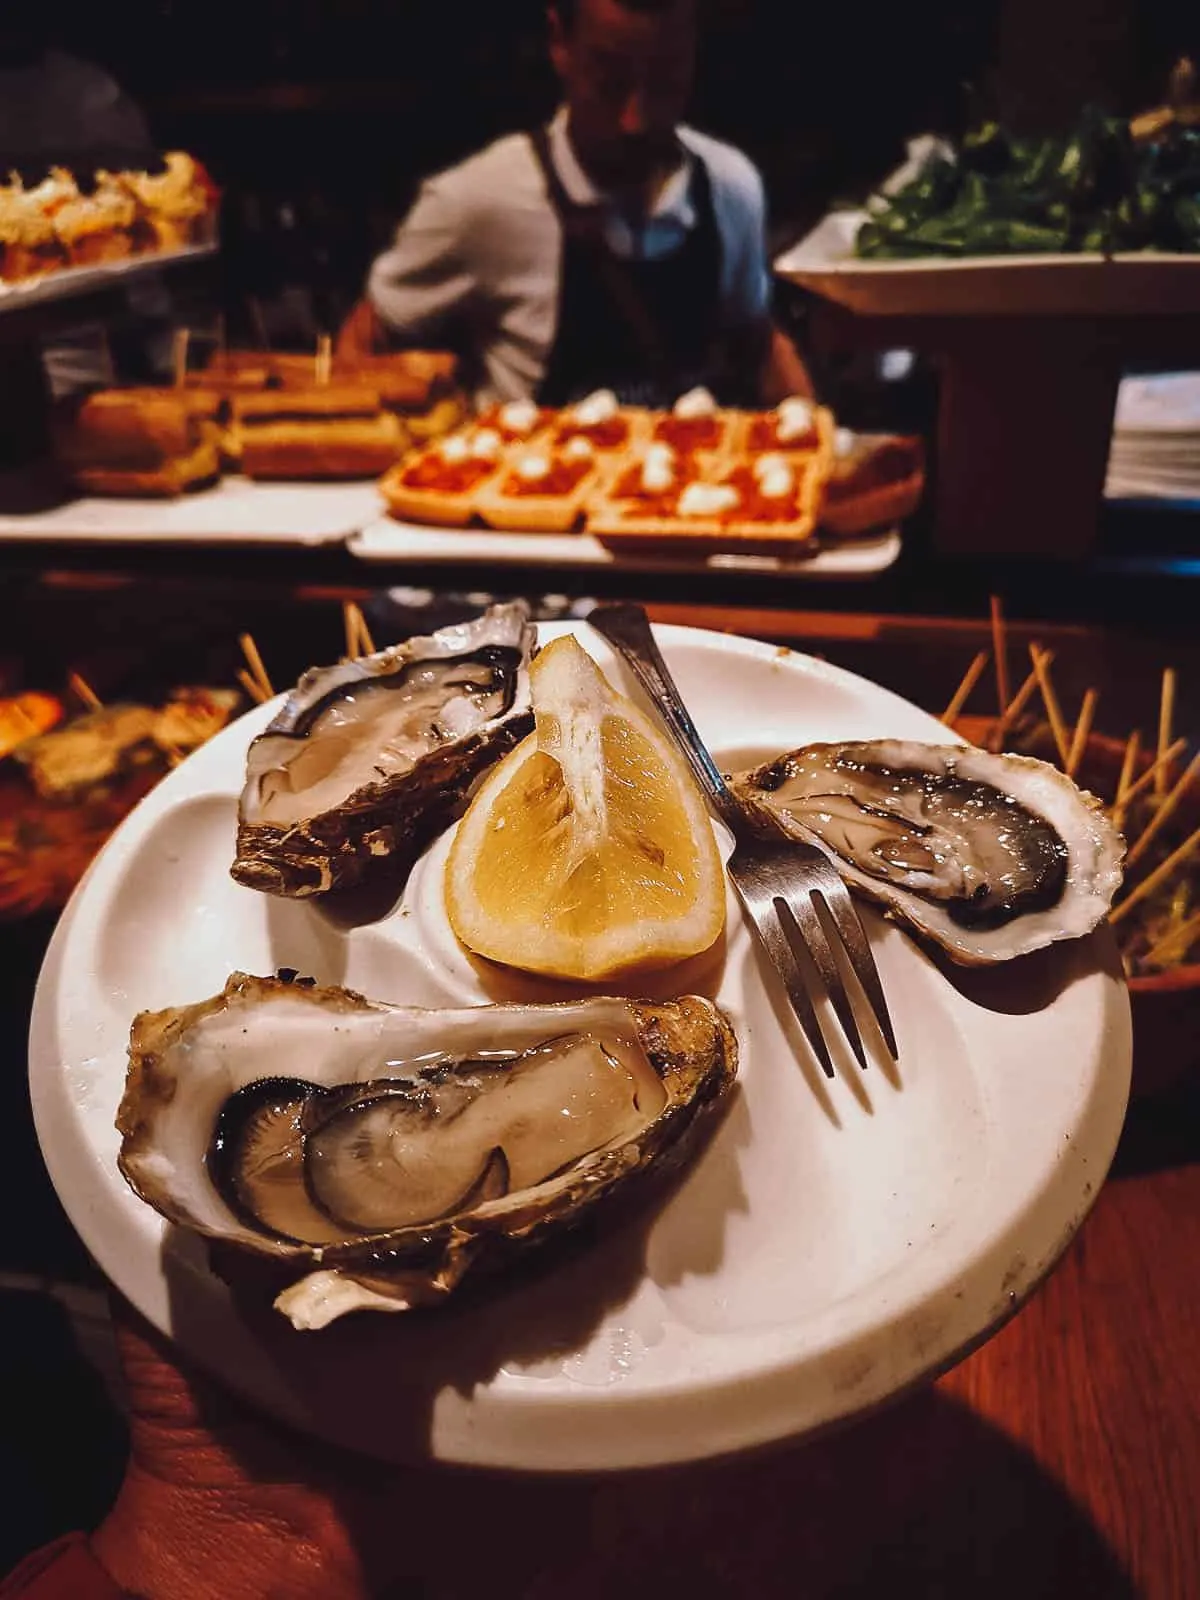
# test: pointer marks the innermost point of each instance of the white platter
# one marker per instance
(407, 543)
(1144, 283)
(835, 1242)
(235, 511)
(68, 282)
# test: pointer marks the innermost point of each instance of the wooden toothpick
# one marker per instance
(1083, 728)
(1166, 717)
(962, 694)
(1166, 810)
(1000, 654)
(83, 690)
(1057, 726)
(255, 662)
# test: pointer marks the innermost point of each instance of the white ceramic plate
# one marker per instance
(69, 282)
(407, 543)
(1135, 284)
(234, 511)
(835, 1242)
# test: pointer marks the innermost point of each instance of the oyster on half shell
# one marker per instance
(991, 856)
(367, 756)
(376, 1153)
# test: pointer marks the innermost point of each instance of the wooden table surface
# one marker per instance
(1061, 1459)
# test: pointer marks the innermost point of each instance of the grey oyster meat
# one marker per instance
(367, 757)
(372, 1154)
(990, 856)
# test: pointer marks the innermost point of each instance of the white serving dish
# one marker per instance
(834, 1243)
(234, 511)
(407, 543)
(1145, 283)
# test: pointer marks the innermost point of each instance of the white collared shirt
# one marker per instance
(482, 246)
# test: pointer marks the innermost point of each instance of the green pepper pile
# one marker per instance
(1096, 190)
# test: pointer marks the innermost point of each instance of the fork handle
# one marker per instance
(627, 629)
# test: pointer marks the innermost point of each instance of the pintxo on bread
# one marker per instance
(695, 423)
(797, 425)
(541, 487)
(728, 506)
(602, 421)
(442, 483)
(140, 442)
(695, 478)
(873, 479)
(323, 432)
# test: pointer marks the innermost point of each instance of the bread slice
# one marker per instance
(748, 435)
(890, 470)
(319, 447)
(446, 508)
(713, 435)
(623, 525)
(199, 470)
(529, 512)
(441, 418)
(439, 509)
(133, 430)
(315, 402)
(604, 436)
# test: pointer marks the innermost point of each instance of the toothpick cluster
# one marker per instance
(1145, 775)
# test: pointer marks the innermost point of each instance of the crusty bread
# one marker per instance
(442, 417)
(692, 536)
(534, 513)
(316, 403)
(637, 430)
(819, 443)
(436, 506)
(136, 430)
(181, 473)
(887, 494)
(624, 525)
(318, 447)
(674, 431)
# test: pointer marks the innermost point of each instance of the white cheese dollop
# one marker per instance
(532, 467)
(579, 449)
(777, 481)
(695, 403)
(454, 449)
(658, 468)
(598, 407)
(793, 418)
(486, 445)
(519, 416)
(843, 443)
(707, 499)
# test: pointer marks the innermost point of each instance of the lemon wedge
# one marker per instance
(588, 853)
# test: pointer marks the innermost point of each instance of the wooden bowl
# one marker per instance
(1166, 1040)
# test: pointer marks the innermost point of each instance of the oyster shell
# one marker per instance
(990, 856)
(405, 1146)
(366, 757)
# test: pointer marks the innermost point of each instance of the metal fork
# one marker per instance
(783, 883)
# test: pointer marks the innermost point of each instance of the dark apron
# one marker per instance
(649, 330)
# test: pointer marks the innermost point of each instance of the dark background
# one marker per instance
(319, 117)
